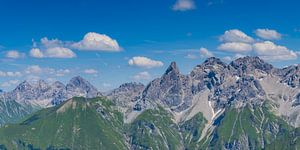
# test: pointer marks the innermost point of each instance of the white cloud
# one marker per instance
(14, 54)
(144, 62)
(34, 69)
(36, 52)
(10, 74)
(9, 83)
(61, 72)
(184, 5)
(205, 53)
(142, 76)
(236, 56)
(51, 43)
(237, 47)
(51, 80)
(227, 58)
(52, 48)
(270, 51)
(59, 52)
(235, 35)
(268, 34)
(97, 42)
(37, 70)
(191, 56)
(52, 52)
(90, 71)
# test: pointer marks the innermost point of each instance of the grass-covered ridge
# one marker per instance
(154, 129)
(78, 123)
(191, 131)
(254, 128)
(12, 112)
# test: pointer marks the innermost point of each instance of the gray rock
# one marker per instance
(290, 75)
(209, 74)
(248, 65)
(44, 94)
(126, 93)
(172, 89)
(78, 86)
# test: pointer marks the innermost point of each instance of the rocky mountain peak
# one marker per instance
(126, 93)
(23, 86)
(248, 64)
(41, 84)
(44, 94)
(290, 75)
(57, 84)
(78, 80)
(213, 61)
(172, 69)
(80, 87)
(131, 85)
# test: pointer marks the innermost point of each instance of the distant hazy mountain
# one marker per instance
(44, 94)
(246, 104)
(28, 97)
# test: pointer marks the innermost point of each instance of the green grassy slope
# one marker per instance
(76, 124)
(154, 129)
(191, 131)
(254, 128)
(13, 112)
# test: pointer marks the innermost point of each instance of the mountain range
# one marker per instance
(246, 104)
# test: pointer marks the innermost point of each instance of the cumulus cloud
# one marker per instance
(184, 5)
(144, 62)
(37, 70)
(51, 42)
(142, 76)
(268, 34)
(241, 44)
(59, 52)
(236, 47)
(61, 72)
(191, 56)
(52, 52)
(34, 69)
(227, 58)
(270, 51)
(36, 52)
(97, 42)
(10, 83)
(205, 53)
(10, 74)
(14, 54)
(236, 35)
(90, 71)
(51, 48)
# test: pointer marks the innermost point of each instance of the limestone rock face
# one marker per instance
(126, 94)
(290, 75)
(172, 89)
(80, 87)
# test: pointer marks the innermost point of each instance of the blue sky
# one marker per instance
(43, 39)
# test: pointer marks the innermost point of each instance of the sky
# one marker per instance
(110, 42)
